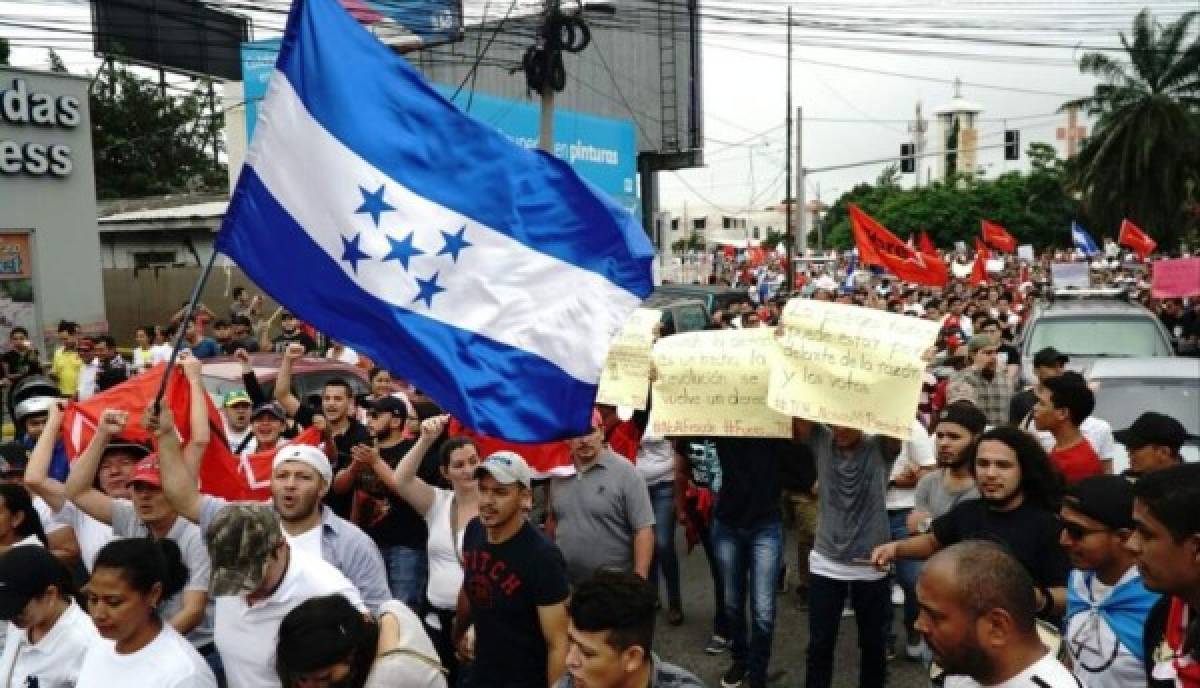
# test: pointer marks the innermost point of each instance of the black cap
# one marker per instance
(25, 572)
(1153, 428)
(387, 404)
(966, 414)
(273, 408)
(1049, 357)
(138, 449)
(1106, 498)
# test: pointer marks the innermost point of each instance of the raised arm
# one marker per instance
(80, 485)
(249, 379)
(178, 483)
(404, 481)
(201, 433)
(283, 382)
(37, 471)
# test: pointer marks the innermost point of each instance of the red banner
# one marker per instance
(998, 237)
(926, 244)
(878, 246)
(1132, 236)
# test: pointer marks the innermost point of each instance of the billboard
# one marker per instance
(600, 149)
(180, 35)
(409, 24)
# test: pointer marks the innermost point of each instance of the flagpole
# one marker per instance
(187, 317)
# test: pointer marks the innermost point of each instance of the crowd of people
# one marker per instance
(393, 553)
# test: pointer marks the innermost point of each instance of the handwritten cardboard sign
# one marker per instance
(714, 383)
(848, 365)
(625, 379)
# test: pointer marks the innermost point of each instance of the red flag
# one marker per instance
(255, 469)
(926, 244)
(757, 256)
(979, 269)
(218, 469)
(551, 458)
(1133, 237)
(878, 246)
(998, 237)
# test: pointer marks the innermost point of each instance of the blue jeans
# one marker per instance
(662, 498)
(906, 575)
(871, 600)
(749, 560)
(407, 572)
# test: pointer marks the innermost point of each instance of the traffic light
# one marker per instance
(1012, 144)
(908, 163)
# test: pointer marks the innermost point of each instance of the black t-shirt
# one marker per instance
(798, 468)
(388, 519)
(1029, 532)
(750, 484)
(280, 343)
(505, 584)
(21, 364)
(356, 433)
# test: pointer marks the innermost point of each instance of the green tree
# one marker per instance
(1143, 158)
(147, 142)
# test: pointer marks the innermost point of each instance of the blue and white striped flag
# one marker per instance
(491, 277)
(1083, 240)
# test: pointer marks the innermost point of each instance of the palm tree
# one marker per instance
(1143, 158)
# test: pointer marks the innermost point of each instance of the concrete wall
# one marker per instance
(59, 209)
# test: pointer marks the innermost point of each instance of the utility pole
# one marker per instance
(801, 188)
(546, 120)
(788, 200)
(543, 62)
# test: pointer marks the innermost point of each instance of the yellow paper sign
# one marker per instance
(850, 365)
(714, 383)
(625, 379)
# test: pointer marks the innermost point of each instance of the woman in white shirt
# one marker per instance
(129, 580)
(446, 513)
(327, 641)
(147, 354)
(48, 633)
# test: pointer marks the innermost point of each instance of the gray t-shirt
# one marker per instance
(852, 497)
(932, 497)
(125, 523)
(597, 513)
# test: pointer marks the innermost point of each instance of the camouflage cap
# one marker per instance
(240, 539)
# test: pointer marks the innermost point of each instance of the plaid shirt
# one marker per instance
(990, 396)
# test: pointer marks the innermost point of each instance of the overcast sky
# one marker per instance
(744, 81)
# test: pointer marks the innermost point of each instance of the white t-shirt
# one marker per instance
(445, 570)
(245, 635)
(655, 460)
(168, 661)
(404, 668)
(916, 451)
(89, 533)
(1098, 432)
(308, 541)
(822, 565)
(52, 662)
(87, 379)
(1047, 672)
(1099, 660)
(46, 515)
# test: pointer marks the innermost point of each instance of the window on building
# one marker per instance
(150, 259)
(756, 236)
(674, 224)
(699, 223)
(727, 223)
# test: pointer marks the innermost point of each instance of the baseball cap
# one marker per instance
(507, 468)
(147, 472)
(966, 414)
(272, 407)
(308, 455)
(1153, 428)
(25, 572)
(240, 538)
(139, 451)
(235, 396)
(1106, 498)
(387, 404)
(1049, 357)
(979, 341)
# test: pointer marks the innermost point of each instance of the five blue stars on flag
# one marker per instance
(402, 250)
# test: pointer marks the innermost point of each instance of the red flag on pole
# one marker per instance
(218, 469)
(878, 246)
(979, 269)
(998, 237)
(926, 244)
(1132, 236)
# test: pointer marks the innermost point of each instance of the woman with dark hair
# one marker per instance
(130, 579)
(19, 521)
(327, 641)
(49, 633)
(446, 513)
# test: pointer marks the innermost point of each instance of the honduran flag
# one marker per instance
(490, 276)
(1083, 240)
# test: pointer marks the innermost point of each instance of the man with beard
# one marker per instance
(979, 382)
(978, 616)
(514, 590)
(958, 426)
(397, 529)
(291, 334)
(1018, 508)
(1166, 545)
(300, 478)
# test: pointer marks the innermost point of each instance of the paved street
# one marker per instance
(685, 644)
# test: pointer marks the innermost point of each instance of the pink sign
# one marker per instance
(1175, 279)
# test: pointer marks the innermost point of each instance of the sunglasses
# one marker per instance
(1078, 532)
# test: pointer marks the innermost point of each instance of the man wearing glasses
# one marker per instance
(1107, 604)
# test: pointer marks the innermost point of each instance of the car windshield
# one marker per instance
(1099, 337)
(1120, 402)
